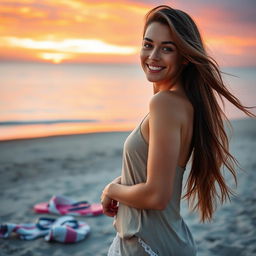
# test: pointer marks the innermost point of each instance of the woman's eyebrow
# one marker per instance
(164, 42)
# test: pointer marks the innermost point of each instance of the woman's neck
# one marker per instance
(165, 87)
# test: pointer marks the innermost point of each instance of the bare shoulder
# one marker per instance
(171, 104)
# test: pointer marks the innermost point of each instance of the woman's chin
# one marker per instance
(152, 79)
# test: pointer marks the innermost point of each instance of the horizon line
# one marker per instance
(97, 63)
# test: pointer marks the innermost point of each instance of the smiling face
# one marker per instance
(159, 56)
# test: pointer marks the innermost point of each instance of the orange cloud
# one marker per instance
(75, 27)
(70, 45)
(57, 51)
(231, 45)
(80, 30)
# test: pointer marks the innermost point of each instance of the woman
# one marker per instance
(184, 121)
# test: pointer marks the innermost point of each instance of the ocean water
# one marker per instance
(48, 99)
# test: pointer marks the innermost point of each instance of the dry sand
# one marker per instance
(79, 166)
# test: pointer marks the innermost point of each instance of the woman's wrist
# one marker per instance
(105, 191)
(108, 191)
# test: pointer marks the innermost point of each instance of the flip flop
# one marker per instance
(31, 231)
(63, 205)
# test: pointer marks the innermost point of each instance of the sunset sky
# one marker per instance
(110, 31)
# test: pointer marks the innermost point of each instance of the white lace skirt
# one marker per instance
(114, 249)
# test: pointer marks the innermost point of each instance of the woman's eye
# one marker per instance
(167, 49)
(147, 45)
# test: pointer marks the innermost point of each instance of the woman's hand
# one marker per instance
(110, 206)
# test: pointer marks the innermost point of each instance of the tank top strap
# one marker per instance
(143, 119)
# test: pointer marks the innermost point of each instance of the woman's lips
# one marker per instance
(154, 68)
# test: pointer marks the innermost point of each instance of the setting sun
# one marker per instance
(54, 57)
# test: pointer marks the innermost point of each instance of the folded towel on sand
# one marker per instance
(64, 229)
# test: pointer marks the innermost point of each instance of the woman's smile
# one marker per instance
(155, 68)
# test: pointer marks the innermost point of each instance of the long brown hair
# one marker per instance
(202, 82)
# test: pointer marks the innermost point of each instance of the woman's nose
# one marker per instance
(154, 54)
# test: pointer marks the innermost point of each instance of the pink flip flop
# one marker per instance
(63, 205)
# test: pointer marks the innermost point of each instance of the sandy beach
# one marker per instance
(79, 166)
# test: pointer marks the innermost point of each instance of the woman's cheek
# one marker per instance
(142, 55)
(142, 58)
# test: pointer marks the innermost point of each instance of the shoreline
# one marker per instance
(245, 119)
(63, 135)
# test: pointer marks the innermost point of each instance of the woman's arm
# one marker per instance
(164, 146)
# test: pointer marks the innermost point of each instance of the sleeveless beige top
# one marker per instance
(163, 230)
